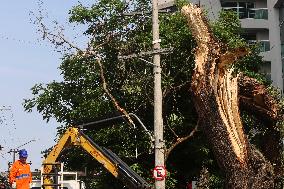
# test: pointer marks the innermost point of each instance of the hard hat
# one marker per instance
(23, 153)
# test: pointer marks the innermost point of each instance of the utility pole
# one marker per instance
(14, 151)
(158, 119)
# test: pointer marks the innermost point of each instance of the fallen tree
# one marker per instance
(215, 92)
(89, 88)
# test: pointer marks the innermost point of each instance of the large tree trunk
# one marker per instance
(215, 92)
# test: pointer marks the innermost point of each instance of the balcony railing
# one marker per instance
(264, 45)
(259, 13)
(254, 13)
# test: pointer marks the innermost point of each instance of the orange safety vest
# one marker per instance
(21, 174)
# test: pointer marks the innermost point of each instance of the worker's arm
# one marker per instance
(30, 175)
(13, 173)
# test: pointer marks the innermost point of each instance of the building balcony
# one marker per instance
(251, 18)
(259, 13)
(254, 24)
(266, 56)
(263, 45)
(249, 13)
(264, 48)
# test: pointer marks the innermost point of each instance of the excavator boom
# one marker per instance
(74, 136)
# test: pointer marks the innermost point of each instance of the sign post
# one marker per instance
(158, 118)
(159, 173)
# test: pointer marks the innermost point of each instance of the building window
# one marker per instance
(249, 36)
(265, 69)
(245, 10)
(263, 45)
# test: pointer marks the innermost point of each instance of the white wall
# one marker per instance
(261, 4)
(275, 46)
(213, 7)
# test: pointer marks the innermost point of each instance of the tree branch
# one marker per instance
(179, 141)
(104, 83)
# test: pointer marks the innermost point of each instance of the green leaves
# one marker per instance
(228, 29)
(80, 98)
(98, 12)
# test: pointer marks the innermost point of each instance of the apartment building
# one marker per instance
(263, 23)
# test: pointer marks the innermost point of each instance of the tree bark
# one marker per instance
(215, 92)
(255, 98)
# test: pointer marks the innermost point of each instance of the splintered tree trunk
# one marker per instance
(215, 91)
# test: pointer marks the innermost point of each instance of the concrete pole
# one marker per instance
(275, 46)
(14, 156)
(158, 119)
(14, 151)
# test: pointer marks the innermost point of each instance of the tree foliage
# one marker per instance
(80, 97)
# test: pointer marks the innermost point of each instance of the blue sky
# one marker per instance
(26, 60)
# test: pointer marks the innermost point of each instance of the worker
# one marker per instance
(20, 173)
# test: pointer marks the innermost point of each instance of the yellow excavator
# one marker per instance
(74, 136)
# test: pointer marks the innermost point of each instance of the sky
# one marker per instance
(26, 60)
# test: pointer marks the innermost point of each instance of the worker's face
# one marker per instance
(23, 159)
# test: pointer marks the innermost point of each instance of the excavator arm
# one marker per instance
(75, 137)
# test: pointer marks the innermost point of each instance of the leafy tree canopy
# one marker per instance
(80, 97)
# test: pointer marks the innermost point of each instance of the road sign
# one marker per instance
(159, 173)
